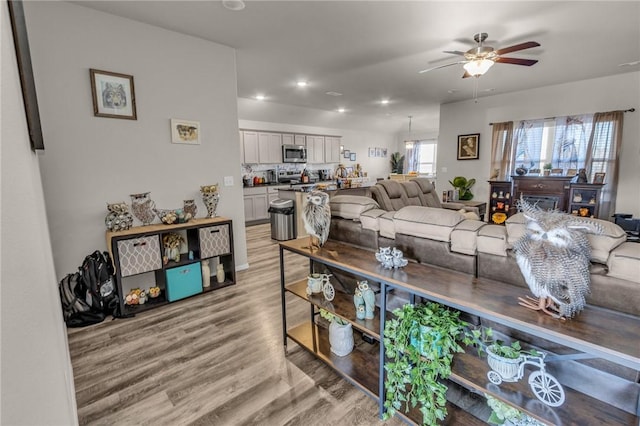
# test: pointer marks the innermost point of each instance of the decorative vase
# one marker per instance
(341, 338)
(546, 172)
(206, 273)
(143, 207)
(118, 218)
(220, 275)
(520, 171)
(210, 198)
(369, 298)
(358, 301)
(189, 208)
(172, 253)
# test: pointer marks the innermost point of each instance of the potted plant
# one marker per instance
(506, 359)
(504, 414)
(463, 186)
(397, 163)
(414, 371)
(340, 333)
(547, 169)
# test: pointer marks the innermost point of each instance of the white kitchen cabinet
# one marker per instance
(332, 149)
(270, 147)
(250, 147)
(300, 140)
(315, 149)
(256, 204)
(288, 139)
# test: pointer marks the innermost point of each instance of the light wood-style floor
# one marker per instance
(214, 359)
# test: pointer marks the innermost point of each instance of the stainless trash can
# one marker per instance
(281, 215)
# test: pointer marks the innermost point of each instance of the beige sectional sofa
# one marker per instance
(408, 215)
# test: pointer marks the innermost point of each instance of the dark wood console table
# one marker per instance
(547, 190)
(595, 332)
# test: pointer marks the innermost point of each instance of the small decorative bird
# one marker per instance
(553, 257)
(316, 215)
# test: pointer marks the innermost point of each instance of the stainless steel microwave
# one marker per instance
(294, 154)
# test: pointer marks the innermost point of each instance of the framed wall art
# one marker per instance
(113, 95)
(468, 146)
(346, 153)
(352, 156)
(598, 178)
(185, 132)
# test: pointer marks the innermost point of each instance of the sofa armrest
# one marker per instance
(459, 206)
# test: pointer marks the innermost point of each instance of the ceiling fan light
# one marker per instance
(478, 67)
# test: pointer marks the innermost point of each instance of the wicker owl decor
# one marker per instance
(316, 215)
(553, 257)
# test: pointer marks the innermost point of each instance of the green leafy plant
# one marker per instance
(397, 163)
(332, 317)
(548, 166)
(512, 351)
(501, 412)
(463, 186)
(415, 371)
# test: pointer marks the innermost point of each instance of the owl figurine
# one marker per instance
(553, 257)
(316, 215)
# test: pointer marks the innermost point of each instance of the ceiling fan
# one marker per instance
(479, 59)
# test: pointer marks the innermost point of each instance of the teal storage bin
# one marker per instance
(183, 281)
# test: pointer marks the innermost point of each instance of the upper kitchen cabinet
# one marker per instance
(332, 149)
(300, 140)
(287, 139)
(315, 149)
(270, 147)
(250, 147)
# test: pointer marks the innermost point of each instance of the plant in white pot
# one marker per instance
(340, 333)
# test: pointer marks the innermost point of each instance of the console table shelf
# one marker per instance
(594, 333)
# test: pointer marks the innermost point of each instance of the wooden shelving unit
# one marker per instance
(595, 333)
(196, 242)
(501, 204)
(584, 199)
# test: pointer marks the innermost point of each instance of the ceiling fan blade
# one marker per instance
(454, 52)
(442, 66)
(466, 75)
(516, 61)
(516, 47)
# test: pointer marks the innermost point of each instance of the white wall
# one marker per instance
(37, 381)
(90, 160)
(589, 96)
(277, 117)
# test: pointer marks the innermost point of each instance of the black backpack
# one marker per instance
(89, 295)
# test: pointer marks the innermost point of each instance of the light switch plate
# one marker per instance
(228, 181)
(444, 170)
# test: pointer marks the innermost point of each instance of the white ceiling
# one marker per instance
(369, 50)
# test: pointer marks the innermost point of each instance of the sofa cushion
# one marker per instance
(492, 239)
(624, 262)
(390, 195)
(370, 219)
(464, 237)
(602, 244)
(351, 206)
(516, 228)
(427, 222)
(387, 225)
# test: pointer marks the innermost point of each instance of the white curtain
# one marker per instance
(412, 156)
(501, 150)
(527, 140)
(571, 142)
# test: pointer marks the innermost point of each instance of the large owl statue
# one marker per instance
(553, 257)
(316, 215)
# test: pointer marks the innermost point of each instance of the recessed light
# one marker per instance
(384, 101)
(333, 93)
(341, 110)
(301, 83)
(260, 97)
(234, 5)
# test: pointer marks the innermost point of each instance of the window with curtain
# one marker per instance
(421, 156)
(585, 141)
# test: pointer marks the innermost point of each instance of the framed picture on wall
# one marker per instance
(468, 146)
(352, 156)
(346, 153)
(113, 95)
(185, 132)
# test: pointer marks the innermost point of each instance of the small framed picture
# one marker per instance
(572, 172)
(352, 156)
(372, 152)
(384, 152)
(468, 146)
(113, 95)
(346, 153)
(598, 178)
(185, 132)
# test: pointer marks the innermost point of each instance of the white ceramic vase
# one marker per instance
(206, 274)
(341, 338)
